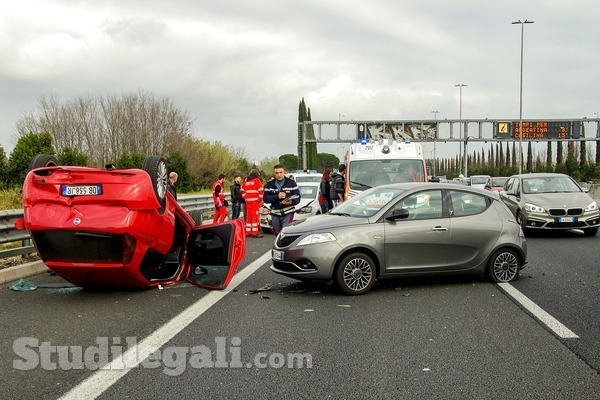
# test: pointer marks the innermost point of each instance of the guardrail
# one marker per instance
(9, 234)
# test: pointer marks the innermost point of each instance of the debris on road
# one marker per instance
(22, 285)
(265, 288)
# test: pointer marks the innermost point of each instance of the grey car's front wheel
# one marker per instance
(504, 266)
(521, 221)
(355, 273)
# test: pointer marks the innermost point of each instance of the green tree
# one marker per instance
(571, 165)
(27, 147)
(549, 166)
(327, 160)
(130, 160)
(69, 156)
(177, 163)
(289, 161)
(3, 169)
(529, 157)
(559, 152)
(311, 147)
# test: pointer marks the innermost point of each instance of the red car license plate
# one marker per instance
(87, 190)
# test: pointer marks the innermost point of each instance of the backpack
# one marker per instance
(336, 180)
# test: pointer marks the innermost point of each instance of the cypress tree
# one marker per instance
(529, 157)
(549, 167)
(559, 152)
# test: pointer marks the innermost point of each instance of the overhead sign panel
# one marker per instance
(534, 130)
(398, 131)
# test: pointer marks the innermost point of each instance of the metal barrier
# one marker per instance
(9, 234)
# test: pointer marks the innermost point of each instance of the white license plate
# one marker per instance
(566, 219)
(277, 255)
(88, 190)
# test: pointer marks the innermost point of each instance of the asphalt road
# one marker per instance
(408, 338)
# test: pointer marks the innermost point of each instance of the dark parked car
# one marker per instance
(550, 201)
(404, 229)
(122, 228)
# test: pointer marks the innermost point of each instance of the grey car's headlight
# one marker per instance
(533, 208)
(317, 238)
(592, 207)
(305, 210)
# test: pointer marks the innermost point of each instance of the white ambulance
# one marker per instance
(378, 162)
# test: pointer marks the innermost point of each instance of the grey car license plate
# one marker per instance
(277, 255)
(566, 219)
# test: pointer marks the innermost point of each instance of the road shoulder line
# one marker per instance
(96, 384)
(552, 323)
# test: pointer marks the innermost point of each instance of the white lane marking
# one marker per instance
(552, 323)
(96, 384)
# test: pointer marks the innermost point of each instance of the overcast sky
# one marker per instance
(241, 67)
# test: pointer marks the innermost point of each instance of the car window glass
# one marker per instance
(367, 203)
(464, 203)
(552, 184)
(508, 184)
(307, 191)
(422, 205)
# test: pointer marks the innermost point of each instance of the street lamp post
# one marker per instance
(435, 113)
(460, 86)
(340, 115)
(522, 23)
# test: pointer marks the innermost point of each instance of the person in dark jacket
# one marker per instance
(325, 192)
(236, 197)
(171, 185)
(338, 190)
(283, 195)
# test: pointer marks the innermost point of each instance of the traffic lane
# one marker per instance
(438, 338)
(69, 316)
(563, 278)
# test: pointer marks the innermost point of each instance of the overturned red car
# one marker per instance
(122, 228)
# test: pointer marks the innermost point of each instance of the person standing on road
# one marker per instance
(218, 196)
(338, 185)
(252, 193)
(282, 194)
(171, 186)
(325, 192)
(236, 197)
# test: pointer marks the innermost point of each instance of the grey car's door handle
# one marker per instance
(439, 229)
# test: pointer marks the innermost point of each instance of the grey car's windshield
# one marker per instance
(553, 184)
(367, 203)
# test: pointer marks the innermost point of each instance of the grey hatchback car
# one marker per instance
(550, 201)
(404, 229)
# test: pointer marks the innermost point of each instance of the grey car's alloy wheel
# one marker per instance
(504, 266)
(355, 274)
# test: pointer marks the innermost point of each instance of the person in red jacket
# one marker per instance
(252, 192)
(218, 196)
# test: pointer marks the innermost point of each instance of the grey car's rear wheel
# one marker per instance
(504, 266)
(355, 273)
(156, 167)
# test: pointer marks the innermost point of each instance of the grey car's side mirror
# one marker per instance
(400, 213)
